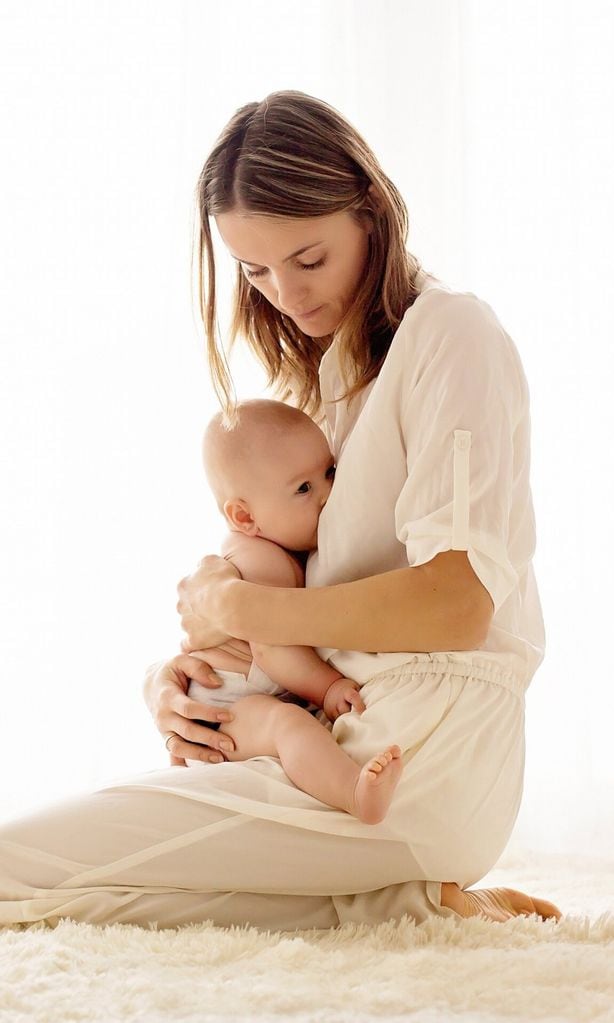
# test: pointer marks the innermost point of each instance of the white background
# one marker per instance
(495, 121)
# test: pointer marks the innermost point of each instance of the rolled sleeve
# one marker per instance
(460, 413)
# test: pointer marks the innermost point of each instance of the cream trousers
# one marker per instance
(239, 844)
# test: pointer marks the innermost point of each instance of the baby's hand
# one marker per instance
(340, 697)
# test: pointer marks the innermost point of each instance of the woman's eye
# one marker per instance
(252, 274)
(304, 488)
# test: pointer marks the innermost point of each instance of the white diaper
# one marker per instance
(235, 686)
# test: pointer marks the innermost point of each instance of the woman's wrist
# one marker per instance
(230, 610)
(245, 609)
(261, 614)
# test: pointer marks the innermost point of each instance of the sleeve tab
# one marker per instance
(460, 514)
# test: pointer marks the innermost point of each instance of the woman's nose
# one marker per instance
(291, 296)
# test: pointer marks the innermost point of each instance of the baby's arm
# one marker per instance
(296, 668)
(299, 669)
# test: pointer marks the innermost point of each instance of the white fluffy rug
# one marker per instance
(443, 970)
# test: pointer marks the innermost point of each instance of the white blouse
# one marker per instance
(433, 456)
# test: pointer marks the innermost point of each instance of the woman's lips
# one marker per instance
(307, 316)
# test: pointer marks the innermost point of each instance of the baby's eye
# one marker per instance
(304, 488)
(330, 473)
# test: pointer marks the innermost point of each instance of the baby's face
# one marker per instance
(291, 487)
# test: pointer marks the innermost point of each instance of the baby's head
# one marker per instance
(271, 472)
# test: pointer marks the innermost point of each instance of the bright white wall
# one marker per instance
(538, 212)
(494, 119)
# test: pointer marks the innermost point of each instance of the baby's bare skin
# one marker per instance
(375, 785)
(265, 726)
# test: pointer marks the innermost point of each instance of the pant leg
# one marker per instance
(135, 855)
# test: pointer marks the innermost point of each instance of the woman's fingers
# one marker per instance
(200, 634)
(196, 711)
(193, 735)
(189, 722)
(199, 605)
(180, 751)
(194, 665)
(180, 719)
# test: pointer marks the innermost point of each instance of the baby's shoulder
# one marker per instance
(262, 561)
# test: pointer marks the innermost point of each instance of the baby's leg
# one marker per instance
(264, 726)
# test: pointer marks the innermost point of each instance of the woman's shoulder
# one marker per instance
(443, 320)
(453, 334)
(442, 306)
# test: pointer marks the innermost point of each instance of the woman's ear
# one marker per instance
(239, 516)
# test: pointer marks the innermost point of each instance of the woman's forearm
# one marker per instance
(438, 606)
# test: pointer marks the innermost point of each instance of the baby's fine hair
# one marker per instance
(230, 444)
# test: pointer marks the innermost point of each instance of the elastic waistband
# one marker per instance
(479, 668)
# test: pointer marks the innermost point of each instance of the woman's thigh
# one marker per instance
(138, 854)
(157, 837)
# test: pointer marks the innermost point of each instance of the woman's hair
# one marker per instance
(294, 156)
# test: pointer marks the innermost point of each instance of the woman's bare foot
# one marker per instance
(376, 784)
(495, 903)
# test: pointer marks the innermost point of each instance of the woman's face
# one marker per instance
(309, 269)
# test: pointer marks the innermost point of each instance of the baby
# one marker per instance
(271, 473)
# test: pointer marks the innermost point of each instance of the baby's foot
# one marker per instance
(376, 784)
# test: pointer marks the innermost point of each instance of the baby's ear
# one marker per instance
(239, 517)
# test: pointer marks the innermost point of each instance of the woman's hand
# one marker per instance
(201, 601)
(177, 717)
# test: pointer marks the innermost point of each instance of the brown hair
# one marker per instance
(295, 156)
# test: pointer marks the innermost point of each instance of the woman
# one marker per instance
(424, 545)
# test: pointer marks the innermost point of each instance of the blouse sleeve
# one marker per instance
(462, 403)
